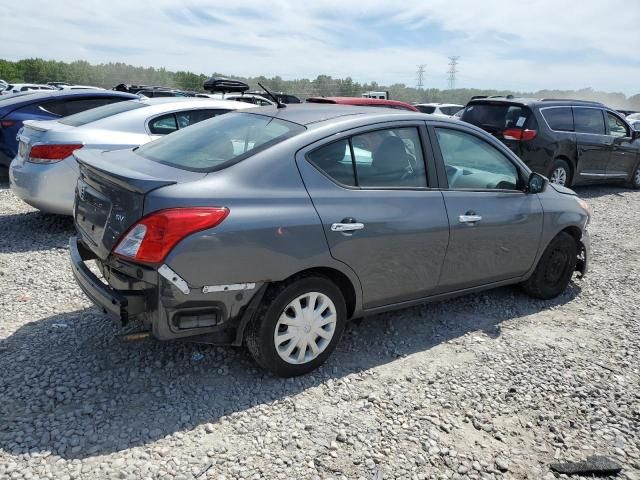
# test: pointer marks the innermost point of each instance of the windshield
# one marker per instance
(496, 117)
(214, 144)
(98, 113)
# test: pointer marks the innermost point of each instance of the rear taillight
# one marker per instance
(7, 123)
(51, 153)
(153, 237)
(519, 134)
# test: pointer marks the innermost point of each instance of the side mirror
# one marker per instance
(536, 183)
(635, 134)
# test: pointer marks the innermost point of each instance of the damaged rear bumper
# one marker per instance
(118, 304)
(166, 303)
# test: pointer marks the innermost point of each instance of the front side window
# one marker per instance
(378, 159)
(219, 141)
(559, 119)
(588, 120)
(472, 163)
(617, 127)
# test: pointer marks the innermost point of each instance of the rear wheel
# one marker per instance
(555, 268)
(297, 326)
(560, 173)
(635, 180)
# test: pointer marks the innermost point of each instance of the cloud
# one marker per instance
(502, 44)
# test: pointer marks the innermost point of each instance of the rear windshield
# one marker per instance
(98, 113)
(426, 108)
(219, 142)
(450, 110)
(496, 117)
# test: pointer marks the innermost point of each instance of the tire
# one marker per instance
(555, 268)
(560, 173)
(282, 308)
(635, 179)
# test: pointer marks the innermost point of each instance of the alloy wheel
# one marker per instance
(559, 176)
(636, 177)
(305, 328)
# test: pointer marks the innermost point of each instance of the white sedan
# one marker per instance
(44, 172)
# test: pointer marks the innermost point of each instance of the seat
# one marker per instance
(390, 165)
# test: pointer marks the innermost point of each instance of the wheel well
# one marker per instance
(570, 162)
(340, 279)
(576, 233)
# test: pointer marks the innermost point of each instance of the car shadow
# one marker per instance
(98, 394)
(23, 232)
(596, 191)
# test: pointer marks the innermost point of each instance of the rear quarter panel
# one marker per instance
(271, 233)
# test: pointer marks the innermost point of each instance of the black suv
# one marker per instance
(569, 141)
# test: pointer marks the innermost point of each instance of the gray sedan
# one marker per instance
(44, 172)
(273, 227)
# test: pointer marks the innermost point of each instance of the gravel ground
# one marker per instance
(494, 385)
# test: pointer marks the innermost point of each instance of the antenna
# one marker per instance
(420, 74)
(453, 63)
(278, 103)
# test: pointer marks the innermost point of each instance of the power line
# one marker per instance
(420, 82)
(453, 64)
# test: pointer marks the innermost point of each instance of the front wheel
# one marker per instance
(555, 268)
(297, 326)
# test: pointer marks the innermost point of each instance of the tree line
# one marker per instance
(107, 75)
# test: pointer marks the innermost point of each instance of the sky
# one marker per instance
(502, 44)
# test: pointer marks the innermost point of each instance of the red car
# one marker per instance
(366, 102)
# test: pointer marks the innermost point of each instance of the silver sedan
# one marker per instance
(44, 172)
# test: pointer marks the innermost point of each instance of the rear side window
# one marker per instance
(559, 118)
(195, 116)
(219, 142)
(588, 120)
(99, 113)
(334, 160)
(163, 125)
(377, 159)
(497, 117)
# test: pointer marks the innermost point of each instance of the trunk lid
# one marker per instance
(43, 131)
(110, 194)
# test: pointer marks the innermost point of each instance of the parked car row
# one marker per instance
(312, 214)
(272, 226)
(13, 88)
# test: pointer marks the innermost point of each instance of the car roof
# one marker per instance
(359, 101)
(161, 104)
(435, 104)
(21, 100)
(532, 102)
(315, 114)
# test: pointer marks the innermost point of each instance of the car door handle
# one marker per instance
(469, 218)
(346, 227)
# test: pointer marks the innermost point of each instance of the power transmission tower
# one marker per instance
(453, 64)
(420, 82)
